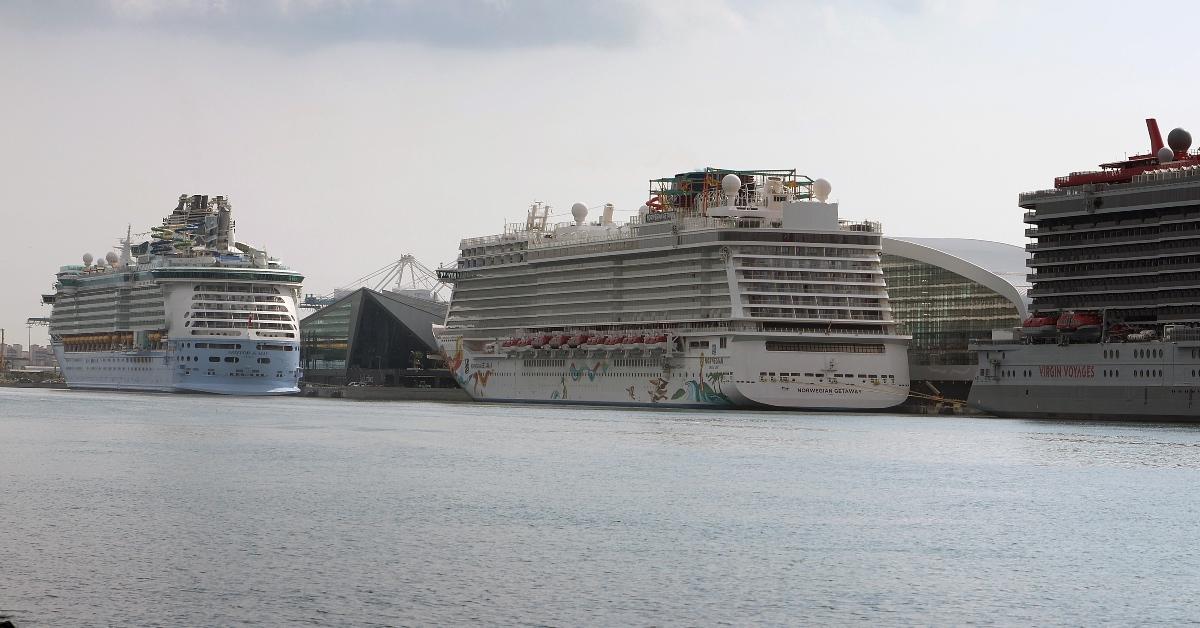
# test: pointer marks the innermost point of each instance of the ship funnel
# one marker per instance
(1155, 136)
(608, 214)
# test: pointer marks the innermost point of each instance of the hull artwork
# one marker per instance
(744, 374)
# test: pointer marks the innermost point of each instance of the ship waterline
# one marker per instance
(729, 288)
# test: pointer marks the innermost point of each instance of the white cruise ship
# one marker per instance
(189, 310)
(729, 288)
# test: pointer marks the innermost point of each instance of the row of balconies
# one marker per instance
(1147, 236)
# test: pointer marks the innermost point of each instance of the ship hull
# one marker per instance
(742, 374)
(1109, 381)
(183, 368)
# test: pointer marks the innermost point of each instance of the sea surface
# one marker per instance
(172, 510)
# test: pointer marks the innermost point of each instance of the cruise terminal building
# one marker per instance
(946, 293)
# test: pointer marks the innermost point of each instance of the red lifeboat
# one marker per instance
(612, 341)
(659, 340)
(576, 340)
(634, 342)
(559, 341)
(539, 341)
(1040, 326)
(508, 343)
(1071, 321)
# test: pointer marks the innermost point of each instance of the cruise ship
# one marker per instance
(1115, 329)
(728, 288)
(189, 309)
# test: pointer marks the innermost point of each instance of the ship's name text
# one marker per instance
(1077, 371)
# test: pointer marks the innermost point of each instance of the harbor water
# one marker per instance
(153, 509)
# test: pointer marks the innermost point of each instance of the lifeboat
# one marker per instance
(560, 341)
(539, 341)
(522, 344)
(658, 341)
(576, 340)
(613, 342)
(1079, 324)
(508, 342)
(634, 342)
(591, 341)
(1039, 326)
(1075, 321)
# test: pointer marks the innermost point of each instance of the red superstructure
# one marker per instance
(1124, 171)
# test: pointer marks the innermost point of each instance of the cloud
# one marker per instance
(306, 24)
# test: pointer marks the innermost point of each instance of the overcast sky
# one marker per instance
(350, 132)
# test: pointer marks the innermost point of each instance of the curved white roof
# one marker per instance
(995, 265)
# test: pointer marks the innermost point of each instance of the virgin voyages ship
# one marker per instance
(729, 288)
(1116, 295)
(189, 309)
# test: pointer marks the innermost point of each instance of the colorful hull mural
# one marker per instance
(733, 373)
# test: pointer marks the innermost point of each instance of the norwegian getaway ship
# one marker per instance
(729, 288)
(1116, 295)
(190, 309)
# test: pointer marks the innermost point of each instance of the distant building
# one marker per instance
(17, 357)
(946, 292)
(381, 338)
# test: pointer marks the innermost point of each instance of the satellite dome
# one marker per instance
(1165, 154)
(579, 213)
(821, 189)
(1179, 140)
(643, 210)
(87, 259)
(111, 258)
(730, 184)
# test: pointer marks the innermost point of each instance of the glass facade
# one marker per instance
(943, 311)
(325, 337)
(369, 337)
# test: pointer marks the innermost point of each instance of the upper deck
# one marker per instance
(689, 208)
